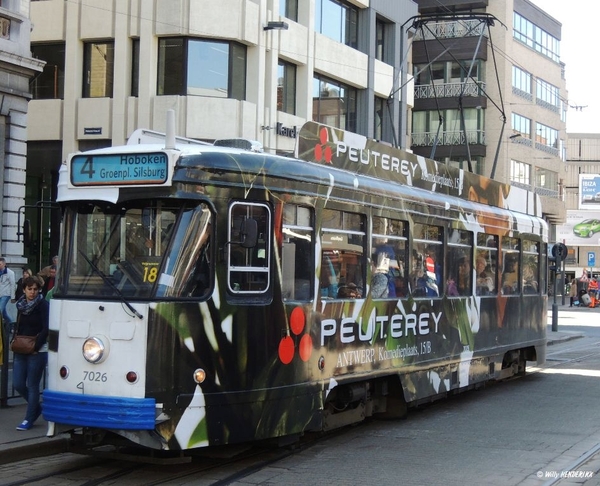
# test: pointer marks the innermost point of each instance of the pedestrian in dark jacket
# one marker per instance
(32, 320)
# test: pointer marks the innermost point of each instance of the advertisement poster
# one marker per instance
(581, 229)
(589, 189)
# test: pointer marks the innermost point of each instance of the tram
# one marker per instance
(211, 295)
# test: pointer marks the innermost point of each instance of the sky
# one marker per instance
(578, 50)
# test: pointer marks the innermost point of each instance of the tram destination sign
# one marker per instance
(119, 169)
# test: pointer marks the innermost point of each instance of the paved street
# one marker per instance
(527, 431)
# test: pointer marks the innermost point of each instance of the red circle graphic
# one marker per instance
(323, 137)
(297, 320)
(286, 350)
(306, 347)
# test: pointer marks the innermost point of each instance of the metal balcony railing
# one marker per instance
(449, 90)
(451, 30)
(427, 139)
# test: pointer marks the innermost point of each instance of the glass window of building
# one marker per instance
(535, 37)
(334, 104)
(286, 87)
(546, 136)
(135, 67)
(98, 68)
(50, 84)
(337, 20)
(425, 126)
(520, 172)
(546, 179)
(521, 125)
(521, 80)
(289, 9)
(547, 93)
(379, 117)
(202, 68)
(384, 35)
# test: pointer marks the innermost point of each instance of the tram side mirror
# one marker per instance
(27, 233)
(249, 233)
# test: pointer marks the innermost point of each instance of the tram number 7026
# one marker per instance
(94, 376)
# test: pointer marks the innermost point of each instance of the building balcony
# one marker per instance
(451, 30)
(449, 90)
(427, 139)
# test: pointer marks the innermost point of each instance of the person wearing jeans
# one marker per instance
(32, 320)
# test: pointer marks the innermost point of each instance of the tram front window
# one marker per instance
(135, 250)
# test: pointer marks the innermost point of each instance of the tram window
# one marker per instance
(117, 250)
(460, 263)
(531, 267)
(389, 258)
(486, 258)
(248, 268)
(343, 254)
(510, 266)
(187, 271)
(297, 261)
(426, 260)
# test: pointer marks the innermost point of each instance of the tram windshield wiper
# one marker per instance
(108, 281)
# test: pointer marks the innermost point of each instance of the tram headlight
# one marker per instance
(95, 349)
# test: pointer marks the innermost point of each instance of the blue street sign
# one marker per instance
(591, 259)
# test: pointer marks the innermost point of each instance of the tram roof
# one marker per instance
(336, 151)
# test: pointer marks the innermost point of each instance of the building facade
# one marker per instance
(581, 231)
(17, 68)
(256, 69)
(490, 92)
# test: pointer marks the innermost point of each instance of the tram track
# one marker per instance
(205, 468)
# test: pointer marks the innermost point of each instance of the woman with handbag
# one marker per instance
(29, 363)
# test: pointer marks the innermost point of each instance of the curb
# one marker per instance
(563, 338)
(33, 448)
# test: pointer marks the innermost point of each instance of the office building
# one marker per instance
(256, 69)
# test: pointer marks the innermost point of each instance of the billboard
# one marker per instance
(589, 191)
(581, 229)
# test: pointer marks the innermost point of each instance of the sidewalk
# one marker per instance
(18, 445)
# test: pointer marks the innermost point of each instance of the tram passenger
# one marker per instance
(451, 289)
(510, 276)
(380, 288)
(329, 281)
(349, 291)
(485, 281)
(530, 285)
(465, 275)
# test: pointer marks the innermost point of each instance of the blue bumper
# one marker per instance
(97, 411)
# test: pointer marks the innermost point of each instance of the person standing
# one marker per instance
(573, 292)
(27, 272)
(32, 320)
(7, 293)
(49, 281)
(45, 272)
